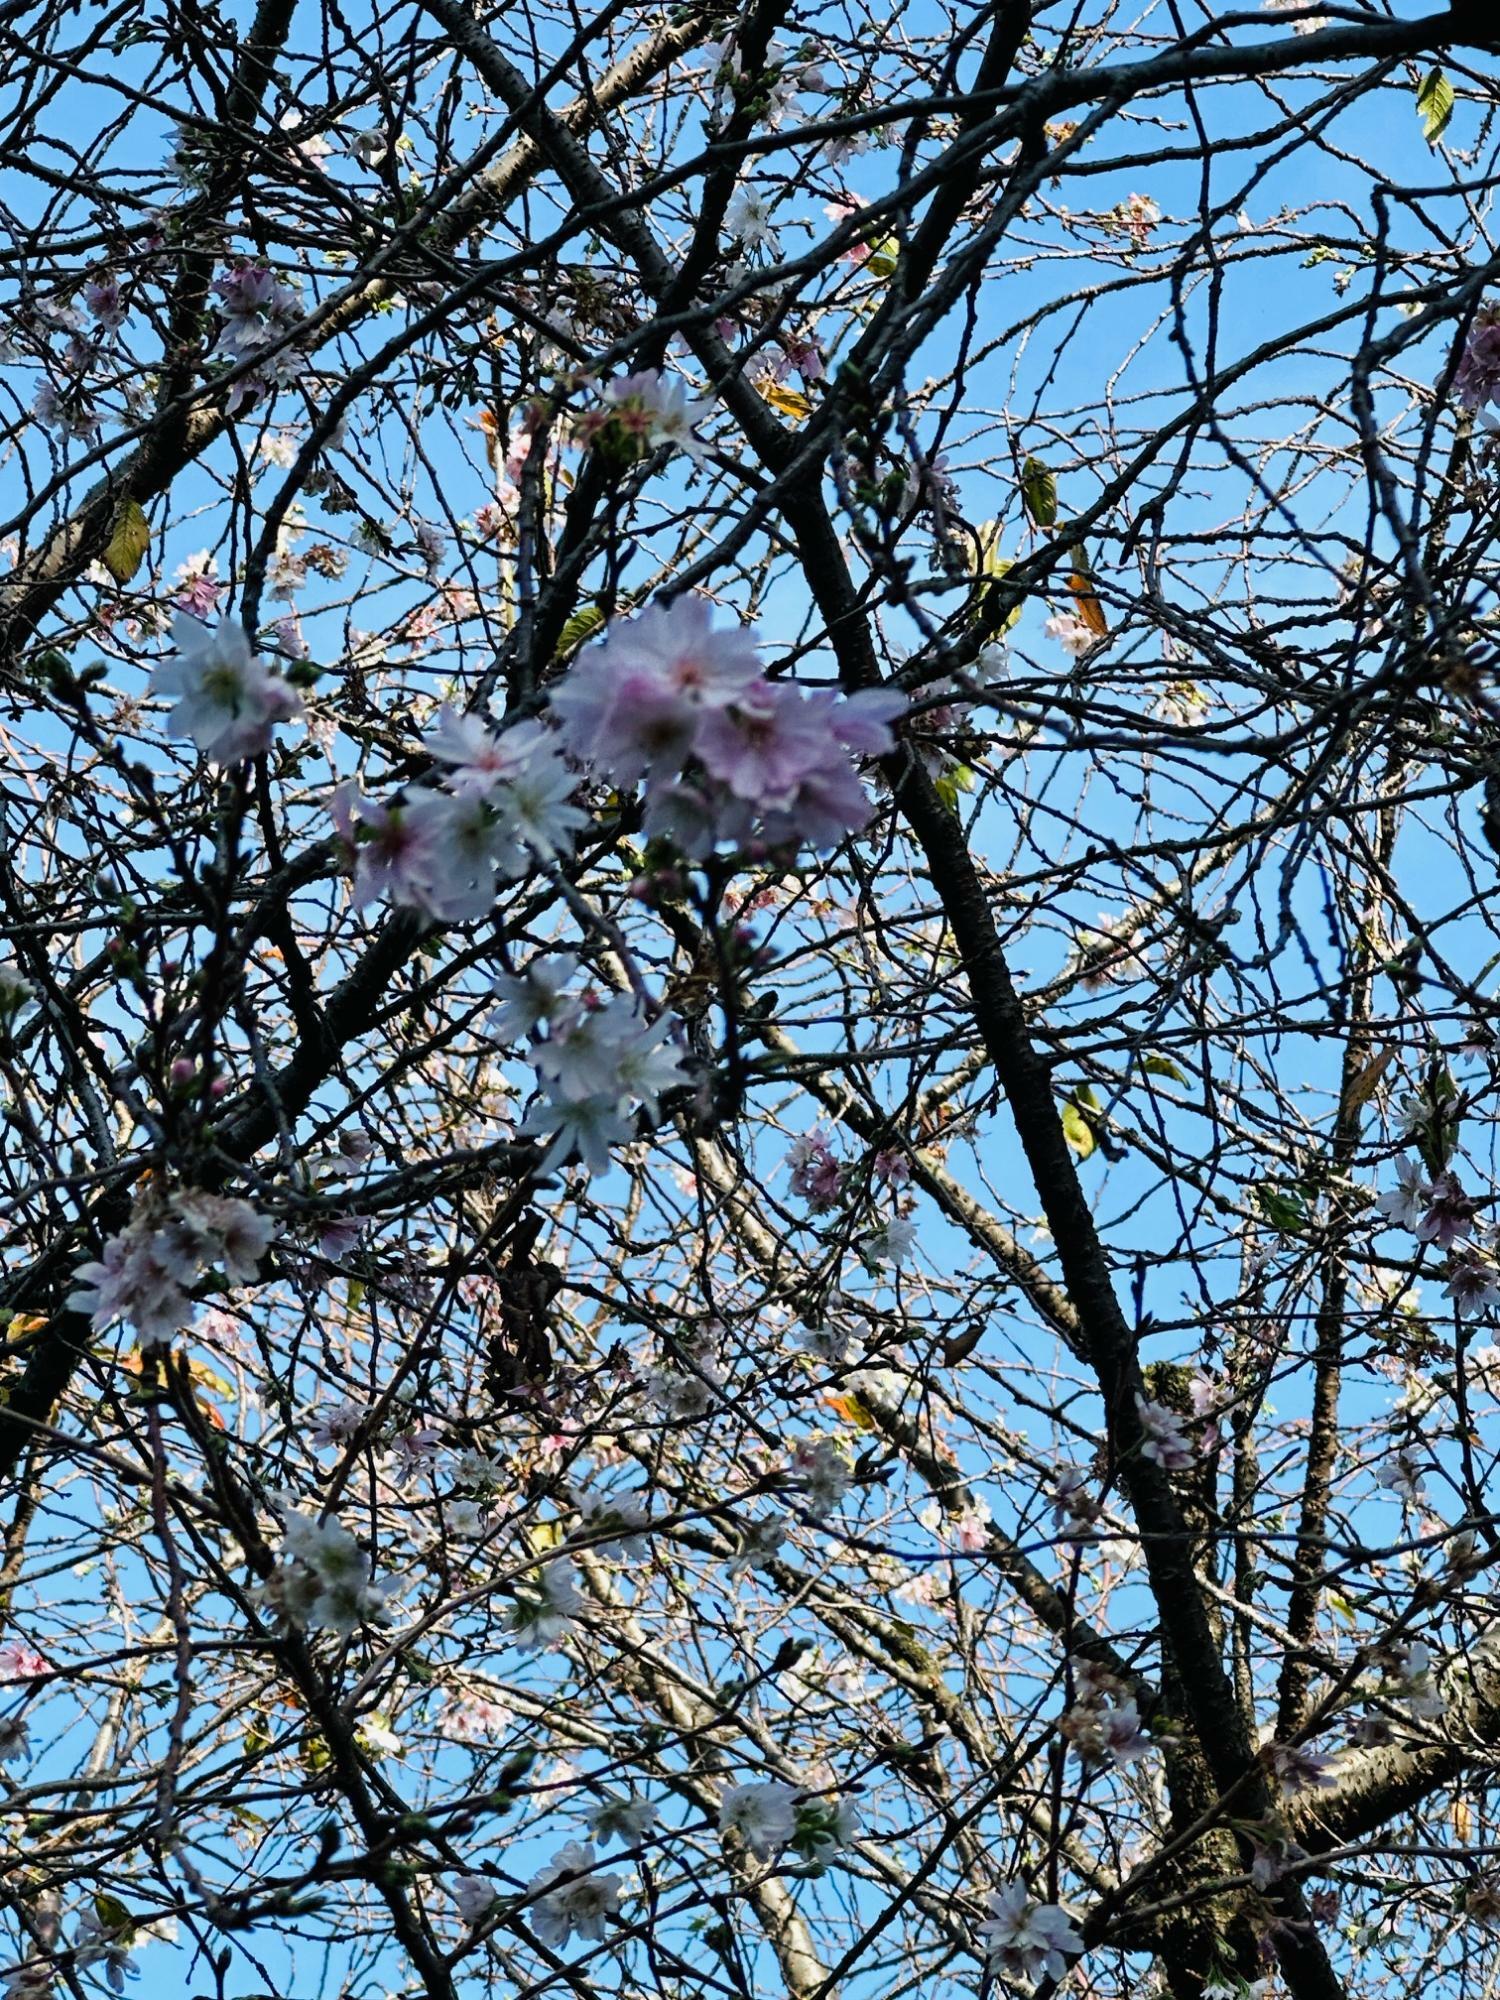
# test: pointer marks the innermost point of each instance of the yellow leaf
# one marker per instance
(128, 543)
(200, 1372)
(791, 402)
(22, 1324)
(1077, 1130)
(1363, 1085)
(992, 568)
(1164, 1066)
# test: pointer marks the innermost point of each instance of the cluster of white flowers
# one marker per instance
(891, 1243)
(643, 410)
(726, 755)
(820, 1466)
(444, 849)
(1104, 1724)
(475, 1718)
(1438, 1211)
(323, 1578)
(256, 312)
(597, 1060)
(474, 1896)
(1027, 1940)
(1402, 1474)
(168, 1245)
(1074, 1506)
(1413, 1683)
(225, 696)
(1072, 634)
(572, 1894)
(611, 1523)
(628, 1820)
(759, 1542)
(1163, 1440)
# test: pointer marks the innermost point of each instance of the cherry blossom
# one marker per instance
(1028, 1940)
(764, 1816)
(1477, 381)
(474, 1896)
(225, 697)
(324, 1577)
(146, 1272)
(654, 408)
(628, 1820)
(1071, 633)
(1163, 1438)
(1301, 1769)
(20, 1662)
(572, 1895)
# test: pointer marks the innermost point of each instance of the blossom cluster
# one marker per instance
(639, 411)
(147, 1271)
(503, 805)
(1163, 1438)
(1027, 1940)
(572, 1894)
(774, 1815)
(727, 755)
(1477, 381)
(256, 312)
(323, 1578)
(1438, 1211)
(1104, 1724)
(596, 1058)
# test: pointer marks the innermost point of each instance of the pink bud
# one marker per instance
(183, 1070)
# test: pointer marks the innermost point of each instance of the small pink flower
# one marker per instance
(20, 1662)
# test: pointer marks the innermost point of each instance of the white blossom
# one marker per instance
(1025, 1939)
(224, 697)
(584, 1904)
(764, 1816)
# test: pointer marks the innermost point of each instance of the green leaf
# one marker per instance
(128, 543)
(1164, 1066)
(1039, 491)
(114, 1916)
(584, 623)
(952, 783)
(1281, 1208)
(1435, 102)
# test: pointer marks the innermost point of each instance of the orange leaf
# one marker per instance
(1081, 584)
(852, 1409)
